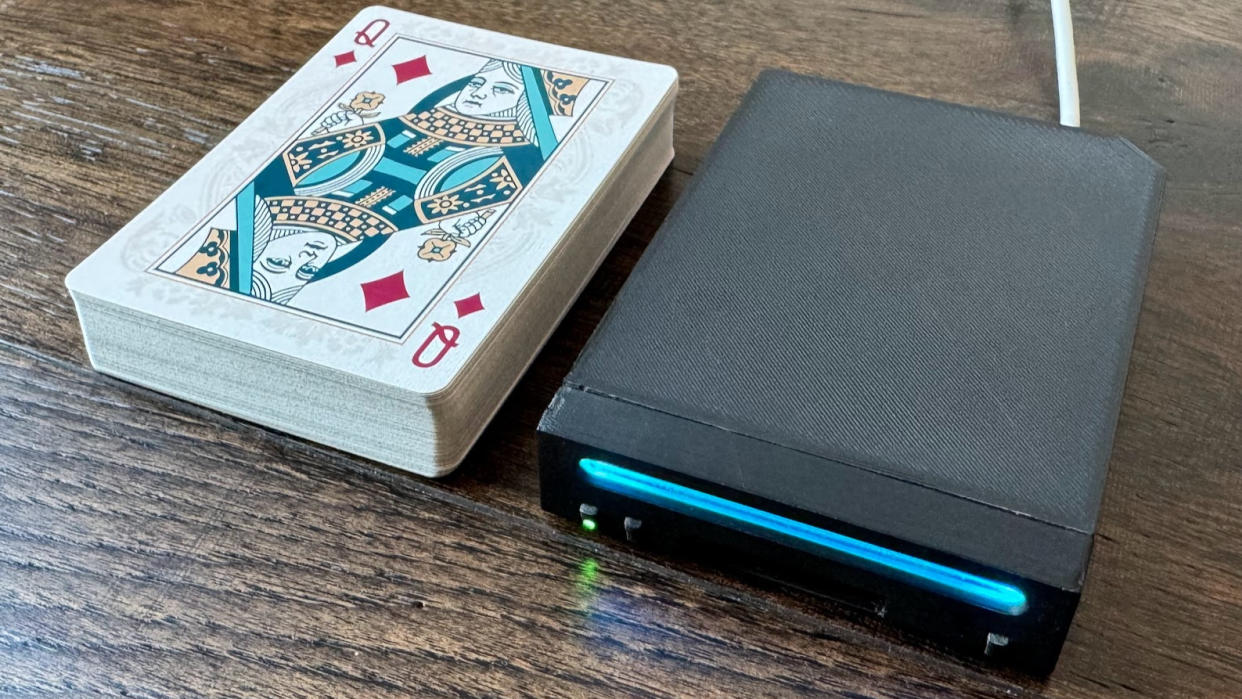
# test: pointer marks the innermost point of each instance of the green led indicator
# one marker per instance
(588, 524)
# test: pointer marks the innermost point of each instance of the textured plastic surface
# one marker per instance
(942, 295)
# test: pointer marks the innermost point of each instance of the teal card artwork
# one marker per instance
(368, 213)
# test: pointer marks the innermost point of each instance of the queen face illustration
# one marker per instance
(287, 262)
(491, 92)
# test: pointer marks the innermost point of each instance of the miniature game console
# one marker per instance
(878, 350)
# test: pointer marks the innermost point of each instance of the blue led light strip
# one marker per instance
(967, 587)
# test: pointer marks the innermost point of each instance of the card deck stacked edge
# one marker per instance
(374, 256)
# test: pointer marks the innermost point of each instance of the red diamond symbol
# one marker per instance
(409, 70)
(384, 291)
(345, 58)
(468, 305)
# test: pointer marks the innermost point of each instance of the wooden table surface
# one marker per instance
(151, 547)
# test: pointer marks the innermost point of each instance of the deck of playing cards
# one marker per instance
(373, 257)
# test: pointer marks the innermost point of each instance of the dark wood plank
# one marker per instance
(105, 104)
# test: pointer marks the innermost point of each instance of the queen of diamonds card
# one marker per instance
(412, 167)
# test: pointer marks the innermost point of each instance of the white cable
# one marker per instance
(1067, 65)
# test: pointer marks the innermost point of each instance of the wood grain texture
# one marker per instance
(151, 547)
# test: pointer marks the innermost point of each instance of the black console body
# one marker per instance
(877, 349)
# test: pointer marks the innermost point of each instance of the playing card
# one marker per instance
(386, 206)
